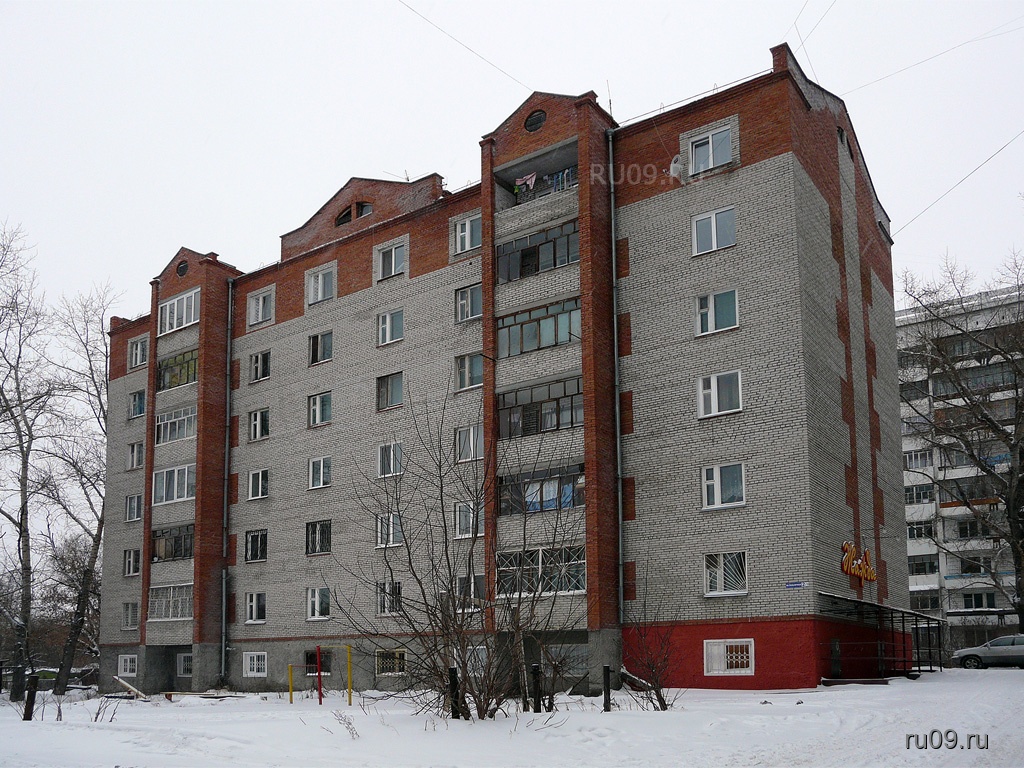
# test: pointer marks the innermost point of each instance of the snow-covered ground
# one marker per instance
(837, 727)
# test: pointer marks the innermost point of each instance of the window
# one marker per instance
(320, 472)
(714, 230)
(324, 666)
(545, 407)
(177, 370)
(469, 303)
(710, 150)
(720, 393)
(174, 543)
(470, 591)
(729, 657)
(725, 573)
(468, 234)
(254, 664)
(518, 572)
(319, 408)
(261, 307)
(390, 327)
(389, 462)
(321, 285)
(716, 312)
(469, 519)
(259, 366)
(127, 665)
(975, 564)
(972, 529)
(136, 404)
(259, 424)
(178, 312)
(256, 545)
(389, 529)
(344, 217)
(924, 601)
(538, 252)
(922, 565)
(546, 489)
(318, 537)
(917, 459)
(921, 529)
(392, 261)
(132, 562)
(919, 494)
(255, 607)
(550, 326)
(259, 484)
(321, 347)
(176, 425)
(318, 603)
(390, 662)
(913, 390)
(132, 508)
(975, 600)
(174, 484)
(170, 603)
(470, 369)
(389, 598)
(723, 486)
(184, 665)
(562, 569)
(389, 391)
(136, 455)
(469, 443)
(363, 209)
(129, 615)
(138, 352)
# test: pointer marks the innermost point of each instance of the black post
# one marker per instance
(536, 687)
(453, 691)
(30, 700)
(606, 682)
(1, 675)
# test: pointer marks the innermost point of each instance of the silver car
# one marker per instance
(1005, 651)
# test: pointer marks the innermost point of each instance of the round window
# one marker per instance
(182, 268)
(535, 120)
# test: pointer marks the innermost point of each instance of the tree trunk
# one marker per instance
(25, 608)
(67, 659)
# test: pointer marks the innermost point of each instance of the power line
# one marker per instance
(965, 178)
(479, 56)
(804, 41)
(796, 19)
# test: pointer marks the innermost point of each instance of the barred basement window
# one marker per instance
(254, 664)
(550, 326)
(539, 252)
(169, 603)
(390, 662)
(184, 665)
(543, 408)
(175, 543)
(548, 489)
(177, 370)
(729, 657)
(311, 663)
(176, 425)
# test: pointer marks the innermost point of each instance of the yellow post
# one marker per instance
(290, 699)
(348, 653)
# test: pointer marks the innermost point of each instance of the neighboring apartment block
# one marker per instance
(669, 403)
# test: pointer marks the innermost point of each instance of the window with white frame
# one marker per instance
(320, 285)
(389, 460)
(391, 260)
(390, 326)
(389, 530)
(255, 607)
(127, 665)
(716, 312)
(976, 600)
(919, 494)
(259, 424)
(174, 484)
(132, 562)
(389, 598)
(129, 615)
(184, 665)
(170, 603)
(319, 409)
(723, 486)
(470, 591)
(256, 546)
(177, 370)
(178, 312)
(920, 529)
(542, 490)
(469, 443)
(729, 657)
(710, 150)
(132, 508)
(917, 459)
(318, 603)
(259, 366)
(556, 569)
(138, 352)
(136, 455)
(469, 519)
(390, 662)
(254, 664)
(470, 371)
(321, 347)
(318, 537)
(261, 307)
(136, 404)
(714, 230)
(389, 391)
(541, 408)
(320, 472)
(259, 484)
(468, 234)
(720, 393)
(469, 303)
(178, 424)
(725, 573)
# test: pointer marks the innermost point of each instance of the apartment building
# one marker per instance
(669, 405)
(953, 379)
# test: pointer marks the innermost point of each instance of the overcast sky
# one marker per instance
(130, 129)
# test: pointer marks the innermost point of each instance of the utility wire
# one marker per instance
(799, 13)
(479, 56)
(804, 41)
(965, 178)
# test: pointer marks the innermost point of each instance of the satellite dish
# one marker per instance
(676, 168)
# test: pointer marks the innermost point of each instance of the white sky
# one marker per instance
(130, 129)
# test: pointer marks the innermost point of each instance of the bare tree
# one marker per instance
(649, 661)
